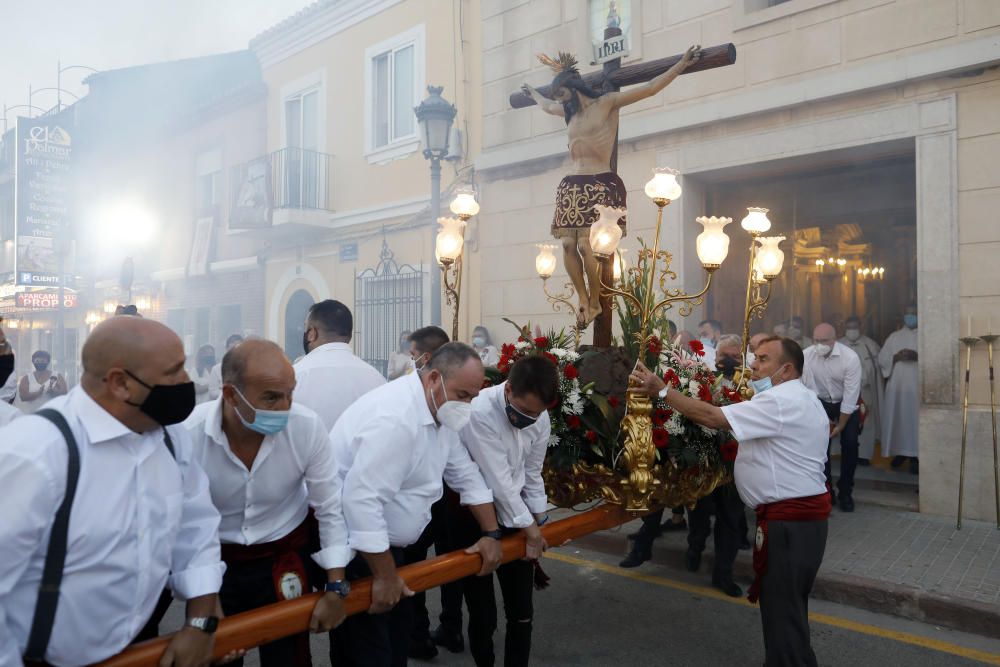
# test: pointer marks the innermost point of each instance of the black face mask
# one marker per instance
(166, 404)
(6, 367)
(728, 366)
(517, 418)
(40, 365)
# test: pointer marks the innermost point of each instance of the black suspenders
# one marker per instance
(55, 555)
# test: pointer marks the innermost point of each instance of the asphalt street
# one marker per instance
(597, 614)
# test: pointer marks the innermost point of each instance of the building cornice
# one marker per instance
(316, 23)
(884, 73)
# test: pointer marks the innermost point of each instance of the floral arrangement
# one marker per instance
(584, 426)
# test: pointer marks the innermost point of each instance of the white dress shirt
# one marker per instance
(139, 518)
(8, 413)
(835, 378)
(293, 470)
(783, 435)
(330, 378)
(391, 455)
(510, 459)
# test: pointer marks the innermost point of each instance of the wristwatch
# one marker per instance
(663, 393)
(206, 624)
(495, 534)
(340, 587)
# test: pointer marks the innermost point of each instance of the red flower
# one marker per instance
(591, 435)
(654, 346)
(614, 402)
(697, 347)
(661, 416)
(508, 350)
(570, 372)
(522, 339)
(670, 377)
(704, 393)
(729, 450)
(660, 438)
(573, 421)
(551, 357)
(542, 342)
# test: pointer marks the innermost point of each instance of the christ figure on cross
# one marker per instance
(592, 127)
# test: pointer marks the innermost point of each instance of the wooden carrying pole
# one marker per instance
(712, 57)
(263, 625)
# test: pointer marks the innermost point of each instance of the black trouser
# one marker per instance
(517, 580)
(152, 628)
(794, 554)
(725, 503)
(848, 448)
(436, 533)
(250, 584)
(650, 528)
(373, 640)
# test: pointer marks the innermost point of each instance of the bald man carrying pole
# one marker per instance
(782, 434)
(268, 461)
(139, 515)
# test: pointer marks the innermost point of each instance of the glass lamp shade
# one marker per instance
(621, 264)
(605, 234)
(545, 262)
(450, 240)
(756, 221)
(464, 205)
(663, 186)
(712, 244)
(770, 257)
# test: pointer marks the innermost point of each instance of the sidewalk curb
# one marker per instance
(870, 594)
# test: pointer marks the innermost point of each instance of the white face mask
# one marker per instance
(453, 414)
(823, 350)
(853, 334)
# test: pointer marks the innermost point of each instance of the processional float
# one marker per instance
(635, 483)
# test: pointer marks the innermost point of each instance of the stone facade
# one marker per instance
(813, 79)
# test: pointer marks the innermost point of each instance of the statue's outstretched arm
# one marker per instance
(547, 105)
(641, 92)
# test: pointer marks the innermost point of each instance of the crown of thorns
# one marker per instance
(565, 62)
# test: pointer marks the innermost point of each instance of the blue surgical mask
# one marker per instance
(707, 342)
(763, 384)
(265, 422)
(479, 341)
(910, 320)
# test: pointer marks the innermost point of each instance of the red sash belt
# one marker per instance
(813, 508)
(298, 539)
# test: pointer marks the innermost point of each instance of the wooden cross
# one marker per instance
(611, 78)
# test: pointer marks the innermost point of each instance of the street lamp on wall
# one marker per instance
(434, 117)
(448, 249)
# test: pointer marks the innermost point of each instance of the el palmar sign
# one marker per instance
(44, 300)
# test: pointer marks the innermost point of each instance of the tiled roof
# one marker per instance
(294, 20)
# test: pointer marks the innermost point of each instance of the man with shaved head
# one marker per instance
(268, 461)
(141, 515)
(393, 446)
(833, 371)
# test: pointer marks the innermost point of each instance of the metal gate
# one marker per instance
(389, 300)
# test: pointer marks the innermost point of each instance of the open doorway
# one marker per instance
(849, 222)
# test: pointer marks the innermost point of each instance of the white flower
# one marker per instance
(522, 345)
(553, 440)
(558, 352)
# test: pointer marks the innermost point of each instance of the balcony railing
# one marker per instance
(294, 178)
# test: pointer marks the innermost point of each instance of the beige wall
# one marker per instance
(364, 190)
(838, 75)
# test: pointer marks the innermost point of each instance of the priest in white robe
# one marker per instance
(898, 360)
(871, 384)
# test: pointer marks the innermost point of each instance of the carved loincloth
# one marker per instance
(576, 197)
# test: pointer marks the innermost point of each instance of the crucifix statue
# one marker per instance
(590, 105)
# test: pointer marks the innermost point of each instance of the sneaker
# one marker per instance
(864, 463)
(727, 586)
(452, 641)
(846, 503)
(915, 466)
(636, 557)
(423, 650)
(898, 461)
